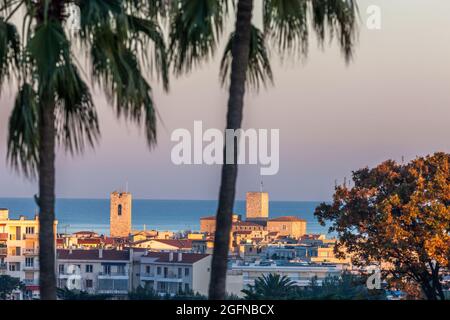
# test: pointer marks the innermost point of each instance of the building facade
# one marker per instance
(19, 252)
(95, 271)
(175, 272)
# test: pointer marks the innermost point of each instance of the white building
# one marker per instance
(95, 271)
(241, 276)
(174, 272)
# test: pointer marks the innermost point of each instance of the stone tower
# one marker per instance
(257, 206)
(120, 214)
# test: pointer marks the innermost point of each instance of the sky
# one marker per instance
(392, 101)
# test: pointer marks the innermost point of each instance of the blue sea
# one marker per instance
(174, 215)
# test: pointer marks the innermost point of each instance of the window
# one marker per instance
(61, 269)
(89, 283)
(119, 210)
(107, 269)
(147, 269)
(158, 270)
(180, 272)
(89, 268)
(284, 227)
(186, 287)
(29, 262)
(186, 272)
(29, 230)
(14, 266)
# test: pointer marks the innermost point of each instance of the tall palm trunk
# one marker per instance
(240, 53)
(47, 136)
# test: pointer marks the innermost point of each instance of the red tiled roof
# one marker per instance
(85, 232)
(185, 257)
(90, 241)
(288, 218)
(243, 232)
(246, 224)
(208, 218)
(179, 243)
(79, 254)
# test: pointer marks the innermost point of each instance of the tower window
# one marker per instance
(119, 209)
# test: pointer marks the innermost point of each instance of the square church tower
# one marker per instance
(120, 214)
(257, 206)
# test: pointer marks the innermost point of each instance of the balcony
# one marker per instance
(33, 267)
(31, 236)
(113, 275)
(30, 252)
(3, 236)
(3, 251)
(170, 277)
(3, 266)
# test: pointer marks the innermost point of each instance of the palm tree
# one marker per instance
(196, 27)
(54, 107)
(271, 287)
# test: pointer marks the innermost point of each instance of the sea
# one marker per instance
(164, 215)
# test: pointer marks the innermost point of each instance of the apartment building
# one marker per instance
(95, 271)
(174, 272)
(240, 275)
(19, 252)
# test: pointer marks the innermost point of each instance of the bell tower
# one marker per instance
(120, 214)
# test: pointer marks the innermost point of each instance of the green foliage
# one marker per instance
(195, 28)
(344, 287)
(121, 43)
(271, 287)
(9, 50)
(143, 293)
(259, 70)
(8, 284)
(66, 294)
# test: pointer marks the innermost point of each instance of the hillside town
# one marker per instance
(165, 261)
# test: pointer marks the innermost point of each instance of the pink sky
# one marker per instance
(392, 101)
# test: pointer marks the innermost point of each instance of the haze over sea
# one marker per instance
(174, 215)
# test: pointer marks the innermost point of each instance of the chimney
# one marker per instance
(100, 253)
(180, 256)
(170, 256)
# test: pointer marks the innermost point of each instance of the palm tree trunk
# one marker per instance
(47, 136)
(240, 53)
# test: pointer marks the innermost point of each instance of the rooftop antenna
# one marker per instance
(126, 187)
(403, 159)
(262, 185)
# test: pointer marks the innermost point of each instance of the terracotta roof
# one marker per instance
(85, 232)
(80, 254)
(90, 241)
(208, 218)
(185, 257)
(182, 244)
(288, 218)
(247, 224)
(243, 232)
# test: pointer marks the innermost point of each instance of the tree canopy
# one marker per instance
(396, 216)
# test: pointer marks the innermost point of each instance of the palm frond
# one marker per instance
(23, 135)
(340, 19)
(195, 28)
(116, 68)
(76, 120)
(146, 32)
(286, 25)
(259, 71)
(9, 50)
